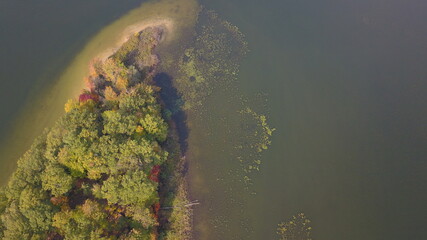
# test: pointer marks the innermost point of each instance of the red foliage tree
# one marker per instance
(156, 209)
(154, 173)
(85, 96)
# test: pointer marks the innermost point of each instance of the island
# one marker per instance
(110, 167)
(115, 165)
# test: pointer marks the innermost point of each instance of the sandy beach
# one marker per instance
(166, 24)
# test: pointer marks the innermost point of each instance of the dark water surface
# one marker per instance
(347, 88)
(37, 38)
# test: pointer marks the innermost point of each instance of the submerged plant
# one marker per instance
(212, 61)
(297, 228)
(262, 132)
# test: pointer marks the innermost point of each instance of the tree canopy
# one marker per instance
(89, 177)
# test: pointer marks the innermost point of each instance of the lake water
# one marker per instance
(346, 83)
(37, 42)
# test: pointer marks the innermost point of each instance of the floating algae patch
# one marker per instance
(296, 228)
(255, 139)
(247, 135)
(211, 61)
(207, 64)
(177, 17)
(228, 133)
(262, 131)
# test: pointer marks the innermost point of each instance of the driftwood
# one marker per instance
(193, 203)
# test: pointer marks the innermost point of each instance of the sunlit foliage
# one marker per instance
(89, 176)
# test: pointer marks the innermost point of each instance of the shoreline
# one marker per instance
(147, 185)
(104, 44)
(47, 105)
(166, 24)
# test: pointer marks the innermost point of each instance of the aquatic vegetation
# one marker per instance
(263, 134)
(98, 173)
(258, 138)
(253, 136)
(112, 166)
(211, 61)
(297, 228)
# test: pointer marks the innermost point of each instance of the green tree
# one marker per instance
(116, 123)
(56, 179)
(130, 188)
(15, 224)
(35, 206)
(142, 216)
(101, 149)
(155, 126)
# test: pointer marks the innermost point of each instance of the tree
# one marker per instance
(15, 224)
(155, 125)
(142, 216)
(116, 123)
(34, 204)
(28, 169)
(93, 210)
(86, 178)
(56, 180)
(112, 70)
(131, 188)
(110, 94)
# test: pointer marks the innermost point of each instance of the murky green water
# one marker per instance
(347, 92)
(346, 88)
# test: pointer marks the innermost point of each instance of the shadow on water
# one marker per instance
(173, 103)
(173, 110)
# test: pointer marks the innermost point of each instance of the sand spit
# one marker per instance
(167, 25)
(44, 109)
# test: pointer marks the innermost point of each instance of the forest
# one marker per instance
(98, 173)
